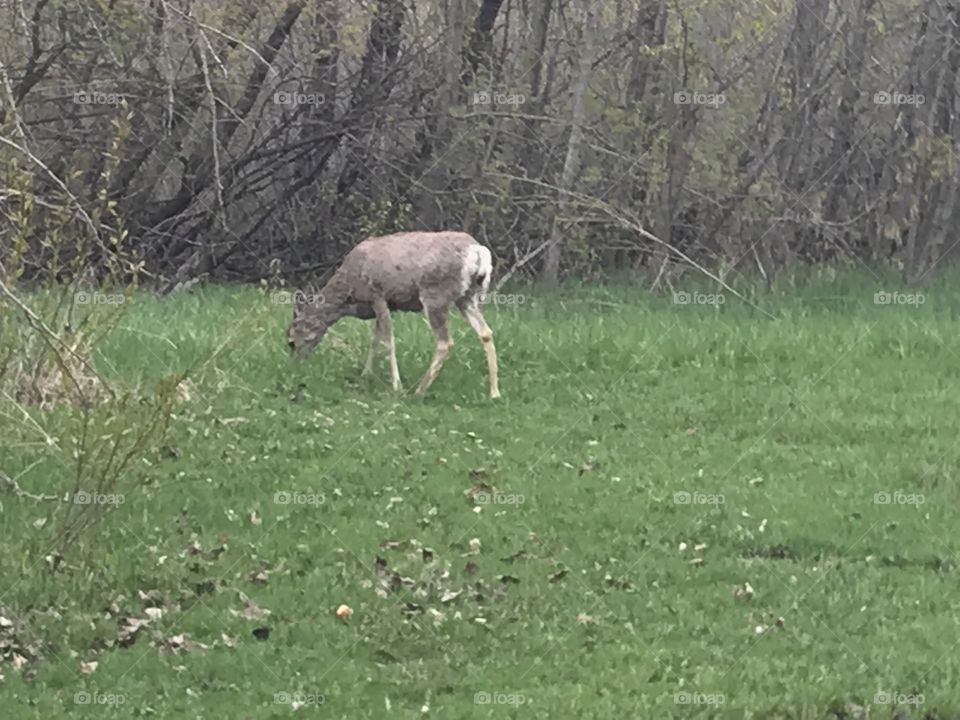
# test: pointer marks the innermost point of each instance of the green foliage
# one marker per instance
(49, 337)
(596, 595)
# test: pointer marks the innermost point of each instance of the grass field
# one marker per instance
(649, 458)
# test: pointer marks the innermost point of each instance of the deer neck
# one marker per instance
(338, 297)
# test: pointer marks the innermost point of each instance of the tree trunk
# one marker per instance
(551, 265)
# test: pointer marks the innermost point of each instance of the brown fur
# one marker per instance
(414, 272)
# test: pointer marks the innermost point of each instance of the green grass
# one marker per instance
(579, 600)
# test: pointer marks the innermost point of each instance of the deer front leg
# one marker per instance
(471, 311)
(374, 341)
(386, 334)
(437, 318)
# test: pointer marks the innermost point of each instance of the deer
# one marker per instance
(424, 272)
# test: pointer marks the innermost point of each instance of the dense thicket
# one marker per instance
(261, 138)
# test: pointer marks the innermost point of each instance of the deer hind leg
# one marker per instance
(437, 319)
(386, 336)
(471, 311)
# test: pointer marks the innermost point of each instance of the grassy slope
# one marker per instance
(613, 402)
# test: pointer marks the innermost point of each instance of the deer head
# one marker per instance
(312, 317)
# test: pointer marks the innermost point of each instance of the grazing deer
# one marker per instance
(414, 271)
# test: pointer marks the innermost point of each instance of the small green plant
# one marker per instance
(52, 320)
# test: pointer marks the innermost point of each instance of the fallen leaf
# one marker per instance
(170, 452)
(130, 629)
(856, 712)
(450, 595)
(150, 598)
(88, 668)
(260, 577)
(558, 575)
(179, 644)
(251, 611)
(344, 612)
(518, 555)
(482, 489)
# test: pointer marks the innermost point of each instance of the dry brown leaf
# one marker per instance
(130, 629)
(744, 593)
(251, 611)
(179, 644)
(450, 595)
(480, 488)
(260, 577)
